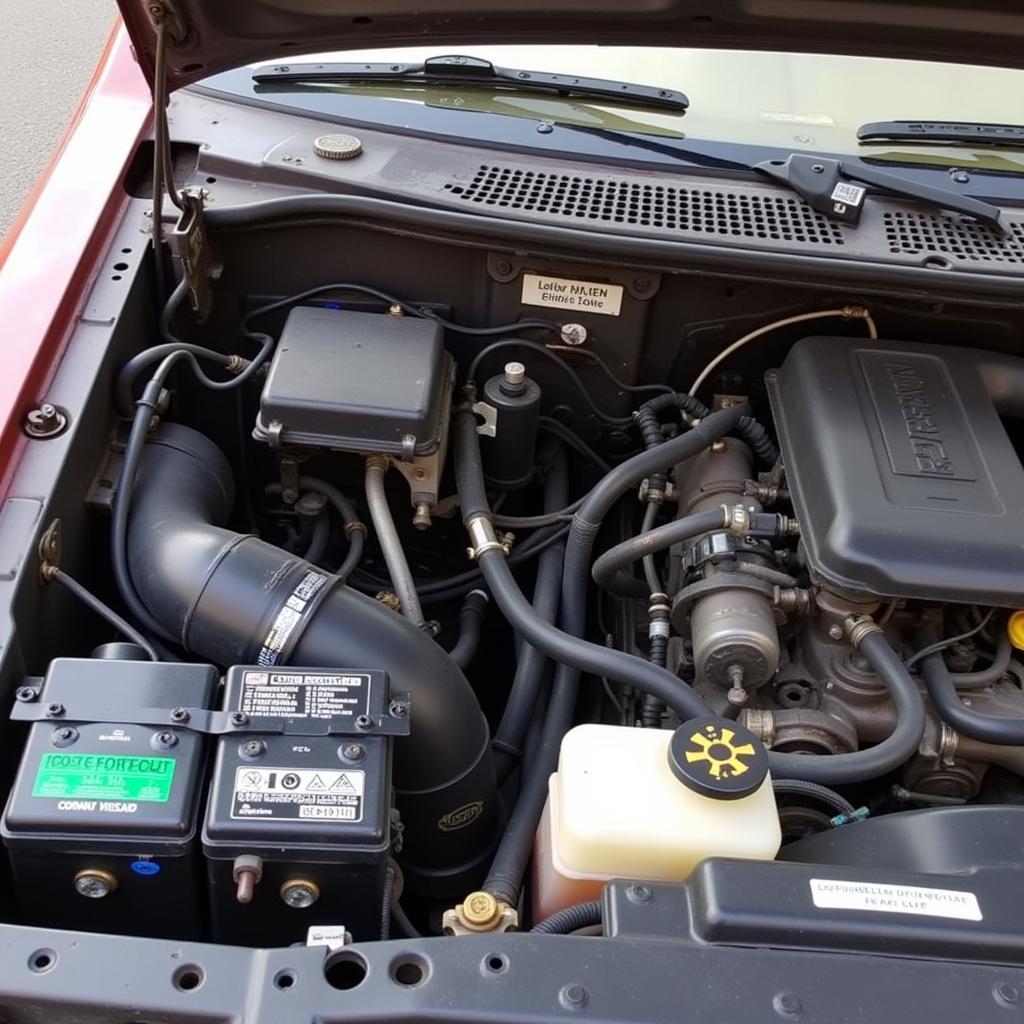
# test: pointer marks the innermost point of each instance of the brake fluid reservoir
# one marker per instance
(649, 804)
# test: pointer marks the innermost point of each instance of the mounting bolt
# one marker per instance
(787, 1004)
(64, 736)
(642, 285)
(94, 883)
(1005, 993)
(817, 168)
(253, 748)
(45, 421)
(835, 632)
(961, 177)
(545, 127)
(639, 894)
(164, 740)
(54, 710)
(573, 334)
(398, 709)
(395, 310)
(239, 718)
(573, 997)
(26, 694)
(364, 723)
(353, 752)
(180, 715)
(300, 893)
(503, 267)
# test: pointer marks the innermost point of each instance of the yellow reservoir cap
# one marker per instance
(1015, 629)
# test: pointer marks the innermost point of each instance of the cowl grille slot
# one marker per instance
(911, 233)
(720, 211)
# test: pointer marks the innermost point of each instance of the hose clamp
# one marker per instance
(484, 539)
(859, 627)
(737, 519)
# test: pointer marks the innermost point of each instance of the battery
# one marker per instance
(101, 822)
(298, 828)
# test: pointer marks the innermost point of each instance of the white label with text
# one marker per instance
(836, 894)
(564, 293)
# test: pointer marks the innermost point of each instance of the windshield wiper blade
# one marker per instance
(457, 69)
(942, 132)
(837, 189)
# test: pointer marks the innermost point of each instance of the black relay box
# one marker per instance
(298, 829)
(101, 822)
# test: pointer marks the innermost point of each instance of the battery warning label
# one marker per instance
(104, 778)
(324, 794)
(305, 694)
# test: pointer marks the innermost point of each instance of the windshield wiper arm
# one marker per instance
(837, 189)
(942, 132)
(456, 69)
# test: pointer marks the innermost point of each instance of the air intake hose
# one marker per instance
(235, 599)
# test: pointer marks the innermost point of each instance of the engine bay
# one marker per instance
(424, 589)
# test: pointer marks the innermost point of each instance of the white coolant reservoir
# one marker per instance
(649, 804)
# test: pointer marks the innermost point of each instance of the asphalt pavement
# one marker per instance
(46, 59)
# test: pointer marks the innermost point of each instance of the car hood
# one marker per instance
(208, 36)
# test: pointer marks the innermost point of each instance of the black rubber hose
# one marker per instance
(747, 429)
(976, 725)
(354, 527)
(570, 919)
(863, 765)
(629, 473)
(89, 599)
(563, 647)
(991, 673)
(319, 538)
(505, 877)
(237, 600)
(471, 623)
(813, 791)
(532, 662)
(610, 570)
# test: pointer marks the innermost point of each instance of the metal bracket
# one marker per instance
(489, 415)
(396, 722)
(189, 245)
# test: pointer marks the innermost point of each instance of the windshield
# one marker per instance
(789, 102)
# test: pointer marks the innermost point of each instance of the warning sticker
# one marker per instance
(302, 793)
(851, 195)
(305, 694)
(104, 777)
(565, 293)
(833, 894)
(296, 607)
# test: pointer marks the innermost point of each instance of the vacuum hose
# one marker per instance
(230, 597)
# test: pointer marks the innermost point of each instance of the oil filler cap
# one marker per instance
(336, 146)
(718, 758)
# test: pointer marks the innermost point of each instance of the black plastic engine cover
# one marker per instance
(903, 476)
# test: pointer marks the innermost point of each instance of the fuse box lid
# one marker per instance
(361, 382)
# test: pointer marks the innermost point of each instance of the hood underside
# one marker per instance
(208, 36)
